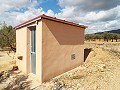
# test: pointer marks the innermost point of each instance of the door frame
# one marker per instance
(31, 28)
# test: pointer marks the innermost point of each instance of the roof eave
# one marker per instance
(63, 21)
(27, 23)
(50, 18)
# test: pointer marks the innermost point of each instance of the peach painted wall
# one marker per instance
(55, 43)
(39, 51)
(21, 48)
(59, 42)
(28, 52)
(23, 43)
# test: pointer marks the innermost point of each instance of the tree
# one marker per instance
(105, 36)
(98, 36)
(88, 37)
(116, 36)
(8, 37)
(112, 36)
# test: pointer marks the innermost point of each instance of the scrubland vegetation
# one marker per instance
(103, 37)
(7, 38)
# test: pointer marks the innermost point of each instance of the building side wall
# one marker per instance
(21, 48)
(59, 42)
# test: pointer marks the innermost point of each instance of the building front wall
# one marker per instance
(21, 48)
(23, 45)
(59, 42)
(39, 51)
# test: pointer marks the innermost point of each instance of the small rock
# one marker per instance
(1, 73)
(80, 74)
(20, 78)
(24, 84)
(16, 87)
(101, 67)
(15, 68)
(59, 85)
(9, 85)
(6, 74)
(17, 72)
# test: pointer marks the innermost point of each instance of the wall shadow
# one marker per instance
(86, 53)
(66, 34)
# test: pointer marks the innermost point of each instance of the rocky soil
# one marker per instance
(16, 80)
(100, 71)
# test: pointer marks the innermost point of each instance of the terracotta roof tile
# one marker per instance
(49, 18)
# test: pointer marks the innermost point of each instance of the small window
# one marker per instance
(72, 56)
(33, 40)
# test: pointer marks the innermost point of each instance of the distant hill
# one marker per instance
(112, 31)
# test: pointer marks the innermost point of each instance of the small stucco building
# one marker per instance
(47, 46)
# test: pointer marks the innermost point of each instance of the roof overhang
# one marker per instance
(49, 18)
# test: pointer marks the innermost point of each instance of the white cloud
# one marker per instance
(67, 12)
(103, 20)
(11, 14)
(64, 3)
(103, 26)
(95, 17)
(50, 13)
(98, 15)
(21, 17)
(90, 5)
(6, 5)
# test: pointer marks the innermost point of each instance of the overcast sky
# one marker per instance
(98, 15)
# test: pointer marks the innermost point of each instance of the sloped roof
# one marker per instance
(49, 18)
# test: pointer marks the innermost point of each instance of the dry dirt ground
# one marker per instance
(100, 71)
(6, 60)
